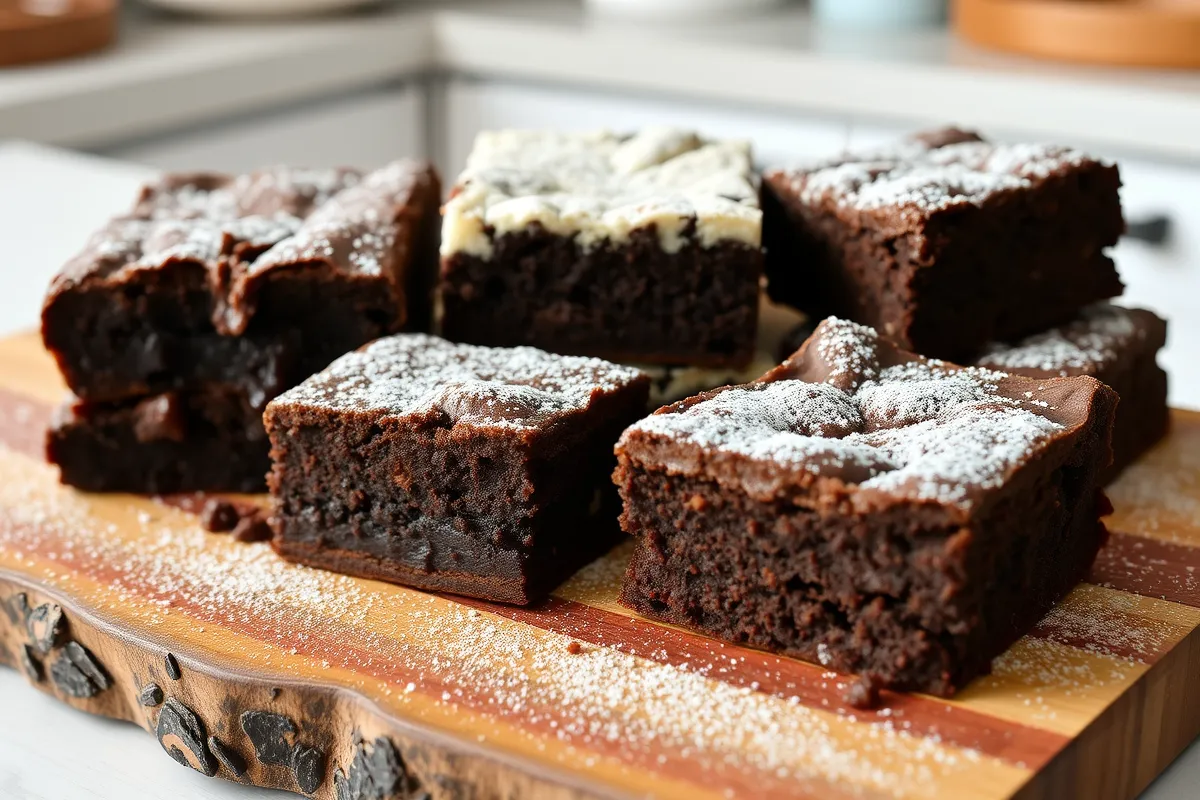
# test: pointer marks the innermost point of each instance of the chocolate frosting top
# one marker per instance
(242, 229)
(850, 416)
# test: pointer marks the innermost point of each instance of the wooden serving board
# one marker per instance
(256, 670)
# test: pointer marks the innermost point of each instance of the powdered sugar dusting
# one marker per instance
(408, 374)
(912, 175)
(918, 428)
(433, 653)
(1085, 346)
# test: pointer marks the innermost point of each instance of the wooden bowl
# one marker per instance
(1147, 33)
(41, 30)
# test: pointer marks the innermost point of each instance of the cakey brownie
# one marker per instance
(868, 509)
(174, 442)
(474, 470)
(1115, 345)
(643, 248)
(945, 242)
(252, 282)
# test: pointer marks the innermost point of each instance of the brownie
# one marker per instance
(210, 440)
(868, 509)
(642, 248)
(1118, 346)
(945, 242)
(251, 282)
(459, 468)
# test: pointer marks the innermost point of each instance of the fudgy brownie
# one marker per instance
(945, 242)
(474, 470)
(643, 248)
(1116, 345)
(868, 509)
(252, 282)
(174, 442)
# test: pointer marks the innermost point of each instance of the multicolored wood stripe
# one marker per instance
(576, 697)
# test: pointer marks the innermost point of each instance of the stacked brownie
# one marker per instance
(950, 244)
(475, 470)
(643, 248)
(868, 509)
(179, 321)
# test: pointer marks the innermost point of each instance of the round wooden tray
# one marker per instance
(41, 30)
(1150, 33)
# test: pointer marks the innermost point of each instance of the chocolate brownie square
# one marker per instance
(945, 242)
(1118, 346)
(210, 440)
(474, 470)
(642, 248)
(868, 509)
(251, 282)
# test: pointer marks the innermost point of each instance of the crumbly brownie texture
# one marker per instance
(1118, 346)
(867, 509)
(945, 242)
(637, 248)
(252, 282)
(209, 440)
(473, 470)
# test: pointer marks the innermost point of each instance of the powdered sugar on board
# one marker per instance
(920, 428)
(1085, 346)
(416, 374)
(911, 175)
(157, 565)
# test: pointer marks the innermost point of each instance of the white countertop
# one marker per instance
(168, 71)
(50, 201)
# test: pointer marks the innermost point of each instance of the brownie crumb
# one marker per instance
(574, 648)
(252, 527)
(219, 516)
(863, 694)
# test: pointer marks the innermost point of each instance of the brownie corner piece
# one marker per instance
(867, 509)
(450, 467)
(641, 248)
(945, 242)
(255, 280)
(1116, 345)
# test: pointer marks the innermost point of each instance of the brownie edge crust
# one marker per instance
(867, 509)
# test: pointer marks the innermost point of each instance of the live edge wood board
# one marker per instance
(250, 669)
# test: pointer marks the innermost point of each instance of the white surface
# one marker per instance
(49, 202)
(167, 72)
(365, 130)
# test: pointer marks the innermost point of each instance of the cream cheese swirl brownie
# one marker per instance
(867, 509)
(643, 248)
(945, 242)
(1116, 345)
(474, 470)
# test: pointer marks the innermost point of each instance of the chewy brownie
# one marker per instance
(868, 509)
(642, 248)
(474, 470)
(253, 282)
(1118, 346)
(945, 242)
(173, 442)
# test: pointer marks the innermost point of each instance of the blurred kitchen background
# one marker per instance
(234, 84)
